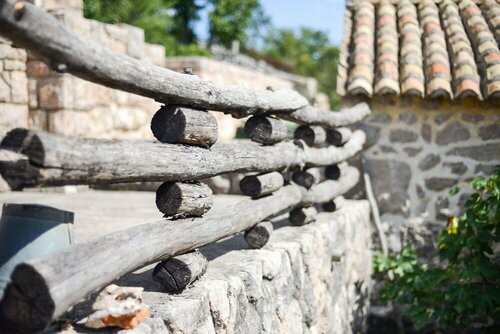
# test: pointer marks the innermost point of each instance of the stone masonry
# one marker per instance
(417, 150)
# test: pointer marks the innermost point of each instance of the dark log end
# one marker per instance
(168, 124)
(250, 186)
(332, 172)
(258, 236)
(184, 199)
(329, 206)
(27, 305)
(304, 179)
(25, 142)
(306, 134)
(334, 137)
(173, 275)
(265, 130)
(302, 216)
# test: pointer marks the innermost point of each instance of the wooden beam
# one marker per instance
(312, 135)
(262, 184)
(302, 216)
(338, 137)
(55, 160)
(258, 236)
(181, 125)
(181, 199)
(43, 289)
(42, 34)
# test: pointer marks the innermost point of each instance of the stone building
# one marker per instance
(431, 72)
(33, 95)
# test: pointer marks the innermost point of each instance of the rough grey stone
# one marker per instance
(148, 326)
(429, 161)
(372, 133)
(412, 151)
(402, 136)
(441, 118)
(420, 191)
(485, 169)
(472, 118)
(456, 167)
(377, 117)
(439, 183)
(486, 152)
(489, 132)
(390, 179)
(387, 149)
(452, 133)
(408, 117)
(442, 203)
(425, 132)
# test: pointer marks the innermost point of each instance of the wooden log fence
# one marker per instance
(299, 176)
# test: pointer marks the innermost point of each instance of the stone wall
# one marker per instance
(309, 279)
(417, 150)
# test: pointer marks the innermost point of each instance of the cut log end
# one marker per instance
(265, 130)
(311, 135)
(180, 125)
(258, 236)
(179, 272)
(332, 172)
(27, 305)
(260, 185)
(184, 199)
(304, 179)
(302, 216)
(330, 206)
(338, 137)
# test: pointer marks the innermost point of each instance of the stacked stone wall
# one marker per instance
(418, 150)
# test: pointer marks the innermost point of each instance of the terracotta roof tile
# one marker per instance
(440, 48)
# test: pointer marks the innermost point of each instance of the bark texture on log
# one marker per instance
(50, 39)
(55, 160)
(178, 272)
(181, 199)
(338, 137)
(258, 236)
(265, 130)
(314, 116)
(312, 135)
(43, 289)
(303, 216)
(262, 184)
(181, 125)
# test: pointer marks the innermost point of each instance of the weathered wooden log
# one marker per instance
(219, 184)
(262, 184)
(302, 216)
(43, 289)
(174, 125)
(328, 190)
(314, 116)
(258, 236)
(332, 172)
(55, 160)
(307, 177)
(312, 135)
(53, 41)
(178, 272)
(265, 129)
(333, 205)
(338, 137)
(182, 199)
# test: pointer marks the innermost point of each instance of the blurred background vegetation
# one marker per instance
(171, 23)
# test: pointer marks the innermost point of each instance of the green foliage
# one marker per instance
(466, 283)
(310, 53)
(165, 22)
(231, 20)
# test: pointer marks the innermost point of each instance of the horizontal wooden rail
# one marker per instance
(52, 160)
(41, 33)
(43, 289)
(315, 116)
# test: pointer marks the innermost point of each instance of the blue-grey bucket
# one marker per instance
(29, 231)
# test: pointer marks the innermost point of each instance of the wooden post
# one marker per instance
(262, 184)
(180, 125)
(313, 135)
(184, 199)
(178, 272)
(307, 177)
(302, 216)
(329, 206)
(259, 235)
(265, 129)
(332, 172)
(338, 137)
